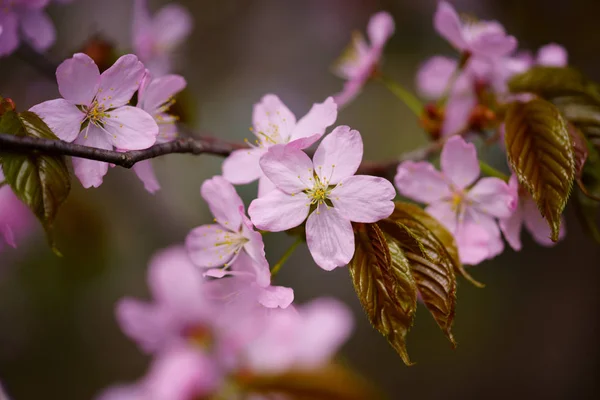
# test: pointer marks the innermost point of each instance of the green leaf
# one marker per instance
(551, 82)
(541, 154)
(42, 182)
(384, 285)
(431, 264)
(583, 114)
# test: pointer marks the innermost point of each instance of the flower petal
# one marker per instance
(278, 211)
(350, 91)
(290, 169)
(159, 91)
(381, 27)
(475, 244)
(91, 173)
(62, 117)
(242, 166)
(320, 116)
(339, 155)
(273, 121)
(172, 24)
(511, 229)
(493, 42)
(421, 182)
(120, 82)
(147, 324)
(445, 213)
(38, 29)
(223, 201)
(362, 198)
(538, 226)
(78, 79)
(9, 37)
(459, 162)
(265, 186)
(131, 128)
(458, 109)
(433, 76)
(145, 172)
(448, 25)
(255, 249)
(553, 55)
(276, 296)
(329, 237)
(493, 197)
(211, 245)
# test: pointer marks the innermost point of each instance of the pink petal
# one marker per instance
(458, 111)
(265, 186)
(278, 211)
(38, 29)
(255, 249)
(304, 142)
(448, 25)
(475, 244)
(350, 91)
(78, 79)
(493, 196)
(242, 166)
(459, 162)
(121, 392)
(62, 117)
(273, 121)
(130, 128)
(493, 42)
(445, 213)
(159, 91)
(172, 24)
(276, 297)
(553, 55)
(209, 245)
(91, 173)
(145, 323)
(366, 199)
(433, 76)
(290, 169)
(421, 182)
(339, 155)
(223, 201)
(329, 237)
(9, 37)
(142, 37)
(120, 82)
(380, 29)
(145, 172)
(320, 116)
(511, 229)
(538, 226)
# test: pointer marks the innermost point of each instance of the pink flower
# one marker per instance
(273, 123)
(552, 55)
(360, 59)
(94, 111)
(469, 213)
(28, 17)
(233, 244)
(155, 38)
(326, 191)
(156, 96)
(528, 214)
(15, 218)
(482, 38)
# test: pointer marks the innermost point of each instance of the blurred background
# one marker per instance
(532, 332)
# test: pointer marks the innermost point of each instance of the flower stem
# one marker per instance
(285, 256)
(403, 94)
(488, 170)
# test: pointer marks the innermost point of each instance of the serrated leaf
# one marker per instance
(587, 211)
(583, 114)
(430, 264)
(551, 82)
(40, 181)
(332, 382)
(580, 150)
(541, 154)
(384, 285)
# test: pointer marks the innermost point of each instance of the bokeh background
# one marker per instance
(531, 333)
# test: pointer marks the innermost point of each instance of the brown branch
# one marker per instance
(196, 146)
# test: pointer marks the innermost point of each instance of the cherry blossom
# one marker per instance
(156, 96)
(155, 38)
(360, 59)
(466, 206)
(94, 111)
(326, 191)
(15, 218)
(25, 18)
(273, 123)
(527, 213)
(234, 245)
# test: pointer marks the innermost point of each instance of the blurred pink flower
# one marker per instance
(26, 18)
(360, 60)
(469, 213)
(305, 187)
(15, 218)
(527, 214)
(234, 244)
(480, 38)
(156, 96)
(273, 123)
(155, 38)
(94, 111)
(552, 55)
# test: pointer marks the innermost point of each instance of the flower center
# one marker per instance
(96, 113)
(230, 242)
